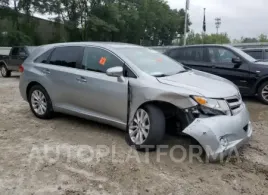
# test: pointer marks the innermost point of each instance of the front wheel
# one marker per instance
(5, 72)
(147, 128)
(263, 92)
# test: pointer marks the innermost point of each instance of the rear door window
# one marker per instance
(99, 60)
(15, 51)
(66, 56)
(257, 54)
(175, 54)
(196, 54)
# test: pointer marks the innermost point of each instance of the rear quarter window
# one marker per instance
(43, 58)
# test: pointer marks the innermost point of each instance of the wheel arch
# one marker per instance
(170, 111)
(30, 85)
(259, 83)
(3, 63)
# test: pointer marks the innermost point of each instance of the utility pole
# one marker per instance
(218, 24)
(185, 21)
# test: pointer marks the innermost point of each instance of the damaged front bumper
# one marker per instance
(219, 135)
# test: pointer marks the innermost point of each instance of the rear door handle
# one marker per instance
(46, 71)
(81, 79)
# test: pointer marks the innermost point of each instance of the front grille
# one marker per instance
(235, 104)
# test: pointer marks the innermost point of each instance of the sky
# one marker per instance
(247, 18)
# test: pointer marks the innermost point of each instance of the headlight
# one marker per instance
(212, 106)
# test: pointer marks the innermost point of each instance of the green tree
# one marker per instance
(196, 38)
(263, 38)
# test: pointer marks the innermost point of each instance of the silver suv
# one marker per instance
(138, 90)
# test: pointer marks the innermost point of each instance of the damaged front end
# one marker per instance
(220, 129)
(218, 124)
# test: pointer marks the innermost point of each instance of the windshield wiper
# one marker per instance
(182, 71)
(161, 75)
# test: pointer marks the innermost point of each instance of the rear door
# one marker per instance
(193, 57)
(59, 73)
(221, 59)
(104, 96)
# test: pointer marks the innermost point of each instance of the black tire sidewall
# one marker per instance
(260, 92)
(49, 112)
(156, 131)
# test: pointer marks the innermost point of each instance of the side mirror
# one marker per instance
(236, 60)
(115, 71)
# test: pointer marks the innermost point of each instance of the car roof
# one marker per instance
(202, 45)
(255, 48)
(114, 45)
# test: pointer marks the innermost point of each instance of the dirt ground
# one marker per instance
(53, 157)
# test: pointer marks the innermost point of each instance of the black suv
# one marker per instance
(249, 74)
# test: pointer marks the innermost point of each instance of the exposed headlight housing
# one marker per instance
(212, 107)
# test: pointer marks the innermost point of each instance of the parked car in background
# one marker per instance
(138, 90)
(14, 59)
(260, 54)
(249, 74)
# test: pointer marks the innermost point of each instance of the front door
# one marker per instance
(221, 60)
(102, 95)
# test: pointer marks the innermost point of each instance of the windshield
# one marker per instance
(244, 55)
(151, 61)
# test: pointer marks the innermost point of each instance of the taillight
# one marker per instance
(21, 68)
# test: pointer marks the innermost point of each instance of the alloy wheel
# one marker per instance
(39, 103)
(139, 127)
(265, 93)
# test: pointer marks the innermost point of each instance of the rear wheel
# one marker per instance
(147, 129)
(263, 92)
(40, 102)
(5, 72)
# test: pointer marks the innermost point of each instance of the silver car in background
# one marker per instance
(138, 90)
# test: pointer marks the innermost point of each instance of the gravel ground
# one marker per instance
(64, 156)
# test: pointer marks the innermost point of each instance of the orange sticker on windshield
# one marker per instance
(159, 60)
(102, 61)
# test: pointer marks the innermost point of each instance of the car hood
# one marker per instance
(205, 84)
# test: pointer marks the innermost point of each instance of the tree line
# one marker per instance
(145, 22)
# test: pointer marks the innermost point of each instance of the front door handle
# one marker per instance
(81, 79)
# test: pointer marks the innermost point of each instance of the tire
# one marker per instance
(155, 132)
(37, 94)
(263, 92)
(5, 72)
